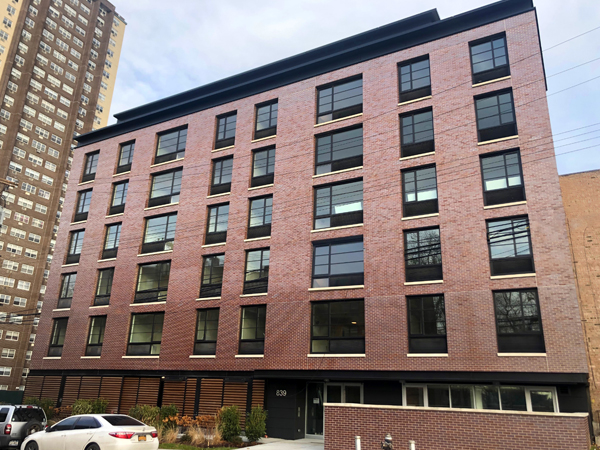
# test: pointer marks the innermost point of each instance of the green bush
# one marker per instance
(146, 413)
(99, 405)
(82, 407)
(256, 424)
(168, 411)
(228, 423)
(46, 404)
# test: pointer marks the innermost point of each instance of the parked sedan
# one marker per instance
(94, 432)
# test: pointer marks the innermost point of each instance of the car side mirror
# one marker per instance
(49, 429)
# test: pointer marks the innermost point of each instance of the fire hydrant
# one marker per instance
(387, 442)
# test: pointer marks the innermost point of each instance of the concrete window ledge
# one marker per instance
(424, 216)
(161, 206)
(203, 356)
(61, 309)
(336, 288)
(141, 357)
(338, 228)
(213, 245)
(336, 355)
(89, 357)
(208, 298)
(260, 294)
(415, 100)
(149, 303)
(337, 171)
(249, 356)
(263, 139)
(421, 283)
(427, 355)
(526, 355)
(166, 162)
(405, 158)
(155, 253)
(51, 357)
(505, 205)
(518, 275)
(338, 120)
(508, 138)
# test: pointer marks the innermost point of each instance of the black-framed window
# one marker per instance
(67, 288)
(221, 175)
(415, 80)
(145, 334)
(104, 288)
(420, 191)
(125, 157)
(159, 233)
(509, 241)
(84, 198)
(338, 263)
(119, 196)
(95, 336)
(417, 135)
(259, 218)
(423, 255)
(489, 58)
(502, 178)
(216, 228)
(171, 145)
(426, 324)
(111, 241)
(338, 327)
(165, 188)
(339, 150)
(153, 282)
(75, 245)
(207, 327)
(226, 130)
(495, 116)
(518, 321)
(340, 99)
(339, 204)
(252, 330)
(57, 339)
(90, 166)
(212, 275)
(266, 120)
(263, 167)
(256, 276)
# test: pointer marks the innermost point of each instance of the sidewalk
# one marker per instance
(300, 444)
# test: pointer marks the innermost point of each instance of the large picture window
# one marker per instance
(226, 130)
(125, 157)
(171, 146)
(57, 339)
(420, 191)
(252, 335)
(417, 136)
(104, 288)
(509, 241)
(153, 281)
(96, 336)
(165, 188)
(340, 99)
(90, 166)
(518, 321)
(338, 327)
(75, 246)
(495, 116)
(66, 290)
(426, 324)
(256, 278)
(111, 241)
(159, 233)
(218, 218)
(338, 205)
(207, 327)
(263, 167)
(212, 276)
(423, 255)
(221, 176)
(84, 198)
(145, 335)
(489, 59)
(415, 81)
(259, 222)
(119, 196)
(339, 150)
(266, 120)
(338, 263)
(502, 178)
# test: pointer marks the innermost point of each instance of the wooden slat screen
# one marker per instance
(211, 396)
(71, 391)
(148, 391)
(33, 387)
(51, 388)
(110, 389)
(174, 394)
(190, 396)
(258, 393)
(237, 394)
(129, 394)
(90, 388)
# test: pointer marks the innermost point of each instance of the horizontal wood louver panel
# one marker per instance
(110, 389)
(237, 394)
(33, 387)
(174, 394)
(258, 393)
(51, 388)
(211, 396)
(190, 396)
(90, 388)
(71, 391)
(129, 394)
(148, 391)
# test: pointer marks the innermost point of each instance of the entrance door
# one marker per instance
(314, 409)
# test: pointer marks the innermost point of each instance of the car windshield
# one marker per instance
(122, 421)
(27, 414)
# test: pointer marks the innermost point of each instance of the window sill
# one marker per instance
(99, 306)
(257, 239)
(406, 158)
(537, 355)
(508, 138)
(261, 187)
(166, 162)
(218, 195)
(122, 173)
(89, 357)
(491, 81)
(249, 356)
(221, 149)
(504, 205)
(147, 303)
(155, 253)
(424, 216)
(106, 260)
(419, 283)
(70, 265)
(336, 355)
(337, 171)
(338, 228)
(335, 288)
(114, 215)
(51, 357)
(141, 357)
(161, 206)
(516, 275)
(203, 356)
(427, 355)
(85, 182)
(61, 309)
(207, 298)
(414, 101)
(213, 245)
(338, 120)
(263, 139)
(78, 223)
(260, 294)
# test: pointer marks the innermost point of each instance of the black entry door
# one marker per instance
(314, 408)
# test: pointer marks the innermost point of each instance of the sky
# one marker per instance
(171, 47)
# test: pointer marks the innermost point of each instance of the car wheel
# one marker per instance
(92, 447)
(32, 427)
(31, 445)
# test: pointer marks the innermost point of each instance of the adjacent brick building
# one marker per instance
(375, 221)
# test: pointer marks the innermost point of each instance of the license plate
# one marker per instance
(142, 438)
(13, 443)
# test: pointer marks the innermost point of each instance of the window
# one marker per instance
(59, 330)
(96, 336)
(20, 301)
(338, 205)
(423, 255)
(75, 244)
(104, 288)
(509, 241)
(226, 130)
(417, 133)
(5, 371)
(125, 157)
(257, 271)
(84, 198)
(252, 336)
(221, 176)
(259, 221)
(338, 327)
(206, 332)
(263, 167)
(67, 288)
(415, 81)
(165, 188)
(111, 241)
(159, 233)
(171, 146)
(212, 275)
(339, 150)
(24, 285)
(117, 205)
(426, 324)
(8, 353)
(266, 120)
(495, 116)
(10, 265)
(338, 263)
(420, 191)
(518, 321)
(489, 59)
(91, 164)
(218, 217)
(502, 178)
(12, 335)
(340, 99)
(145, 334)
(153, 281)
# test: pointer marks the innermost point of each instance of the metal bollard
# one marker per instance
(357, 442)
(412, 445)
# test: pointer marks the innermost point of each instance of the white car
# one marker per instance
(94, 432)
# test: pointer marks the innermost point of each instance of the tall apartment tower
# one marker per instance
(373, 222)
(57, 74)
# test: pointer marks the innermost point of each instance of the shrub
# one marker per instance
(196, 435)
(256, 424)
(46, 404)
(82, 407)
(168, 411)
(99, 406)
(228, 423)
(146, 413)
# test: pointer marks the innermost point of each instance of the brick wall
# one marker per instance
(433, 428)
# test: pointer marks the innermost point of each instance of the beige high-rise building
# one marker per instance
(58, 65)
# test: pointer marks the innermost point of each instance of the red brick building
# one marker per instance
(375, 221)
